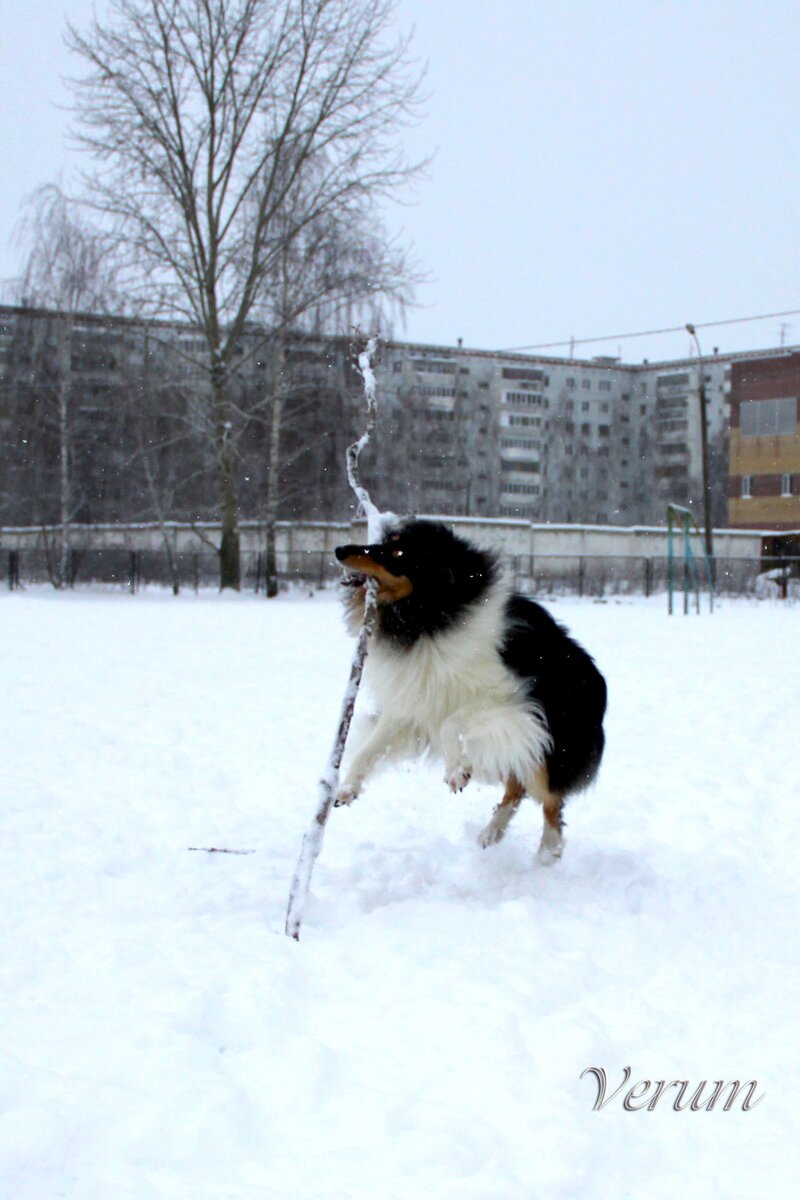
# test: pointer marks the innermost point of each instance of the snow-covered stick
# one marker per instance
(329, 783)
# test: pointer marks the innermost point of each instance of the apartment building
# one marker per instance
(462, 431)
(552, 439)
(764, 482)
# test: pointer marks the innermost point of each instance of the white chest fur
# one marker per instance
(455, 696)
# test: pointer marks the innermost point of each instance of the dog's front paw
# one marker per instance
(458, 779)
(345, 795)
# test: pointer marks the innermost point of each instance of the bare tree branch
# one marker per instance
(234, 138)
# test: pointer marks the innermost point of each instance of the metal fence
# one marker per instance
(133, 569)
(553, 574)
(602, 575)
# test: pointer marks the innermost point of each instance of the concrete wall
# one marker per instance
(637, 541)
(203, 538)
(510, 537)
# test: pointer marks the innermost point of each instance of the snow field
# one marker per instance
(163, 1039)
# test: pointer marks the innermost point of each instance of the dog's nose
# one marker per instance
(344, 552)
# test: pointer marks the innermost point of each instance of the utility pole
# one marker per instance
(709, 534)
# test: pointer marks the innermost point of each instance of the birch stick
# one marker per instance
(329, 783)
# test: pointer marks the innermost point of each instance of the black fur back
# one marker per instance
(563, 679)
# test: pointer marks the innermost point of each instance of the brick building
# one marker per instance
(764, 479)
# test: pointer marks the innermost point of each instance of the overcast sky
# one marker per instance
(602, 166)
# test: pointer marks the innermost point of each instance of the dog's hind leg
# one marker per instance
(501, 817)
(551, 846)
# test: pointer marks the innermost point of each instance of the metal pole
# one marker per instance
(709, 536)
(670, 559)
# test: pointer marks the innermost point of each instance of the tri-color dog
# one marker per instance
(474, 674)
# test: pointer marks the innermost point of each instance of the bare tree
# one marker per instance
(70, 267)
(329, 274)
(203, 116)
(69, 263)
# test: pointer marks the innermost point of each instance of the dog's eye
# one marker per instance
(397, 554)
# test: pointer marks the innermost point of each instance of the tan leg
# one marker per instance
(501, 817)
(551, 846)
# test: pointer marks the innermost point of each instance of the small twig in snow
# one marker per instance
(218, 850)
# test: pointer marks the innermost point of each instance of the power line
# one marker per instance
(616, 337)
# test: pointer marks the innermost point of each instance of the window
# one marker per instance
(432, 389)
(786, 484)
(528, 468)
(570, 382)
(518, 510)
(768, 418)
(526, 398)
(586, 383)
(746, 487)
(520, 443)
(604, 385)
(523, 373)
(429, 367)
(521, 489)
(585, 406)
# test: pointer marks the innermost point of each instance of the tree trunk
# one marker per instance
(273, 466)
(65, 479)
(230, 571)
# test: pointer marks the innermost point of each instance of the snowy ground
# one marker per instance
(163, 1040)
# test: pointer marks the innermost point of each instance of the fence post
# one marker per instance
(581, 567)
(196, 567)
(648, 576)
(13, 569)
(133, 572)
